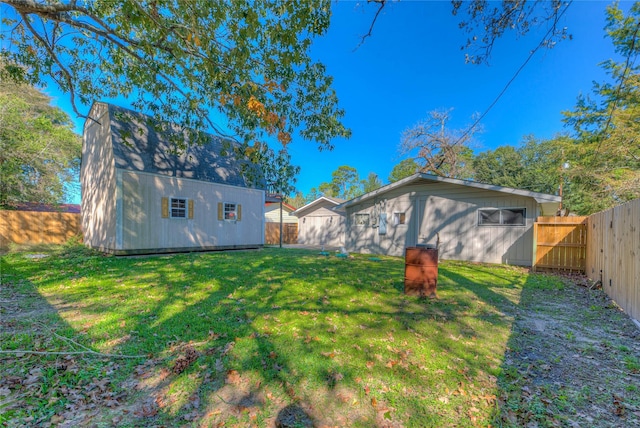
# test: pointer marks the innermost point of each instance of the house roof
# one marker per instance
(430, 179)
(284, 205)
(139, 146)
(54, 208)
(335, 201)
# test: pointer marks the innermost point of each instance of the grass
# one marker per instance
(246, 338)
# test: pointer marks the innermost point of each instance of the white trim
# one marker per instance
(186, 207)
(539, 197)
(119, 211)
(524, 217)
(235, 211)
(317, 201)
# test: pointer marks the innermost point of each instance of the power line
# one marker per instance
(495, 101)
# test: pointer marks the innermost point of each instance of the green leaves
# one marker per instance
(606, 153)
(181, 61)
(39, 152)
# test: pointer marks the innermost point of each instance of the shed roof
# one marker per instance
(140, 146)
(431, 179)
(331, 200)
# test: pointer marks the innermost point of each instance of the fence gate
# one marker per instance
(560, 243)
(289, 233)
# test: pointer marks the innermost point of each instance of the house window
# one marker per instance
(178, 208)
(230, 211)
(502, 217)
(362, 219)
(399, 218)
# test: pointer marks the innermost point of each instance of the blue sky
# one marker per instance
(412, 64)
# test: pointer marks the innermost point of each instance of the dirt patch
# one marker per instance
(573, 360)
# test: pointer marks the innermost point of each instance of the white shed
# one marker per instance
(320, 224)
(139, 196)
(468, 220)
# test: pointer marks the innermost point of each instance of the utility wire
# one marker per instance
(495, 101)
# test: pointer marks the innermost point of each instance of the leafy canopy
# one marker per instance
(605, 155)
(405, 168)
(39, 152)
(180, 60)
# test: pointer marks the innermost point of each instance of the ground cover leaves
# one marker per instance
(259, 338)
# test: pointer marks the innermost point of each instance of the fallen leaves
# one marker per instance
(184, 361)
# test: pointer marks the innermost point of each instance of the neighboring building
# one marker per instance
(289, 225)
(272, 213)
(140, 197)
(468, 220)
(320, 224)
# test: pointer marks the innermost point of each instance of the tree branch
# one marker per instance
(382, 3)
(98, 354)
(55, 58)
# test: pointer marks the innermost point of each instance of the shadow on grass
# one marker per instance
(49, 373)
(328, 338)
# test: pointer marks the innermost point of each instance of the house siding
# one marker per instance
(449, 211)
(322, 226)
(98, 183)
(272, 214)
(143, 227)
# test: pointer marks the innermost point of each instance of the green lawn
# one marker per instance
(243, 338)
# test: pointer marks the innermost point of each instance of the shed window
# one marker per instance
(502, 217)
(230, 211)
(178, 208)
(399, 218)
(362, 219)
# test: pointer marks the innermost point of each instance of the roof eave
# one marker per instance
(539, 197)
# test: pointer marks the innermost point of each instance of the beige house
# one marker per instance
(273, 228)
(320, 224)
(272, 213)
(468, 220)
(140, 197)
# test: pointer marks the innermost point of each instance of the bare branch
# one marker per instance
(381, 3)
(54, 57)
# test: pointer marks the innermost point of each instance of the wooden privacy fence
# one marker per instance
(289, 233)
(33, 227)
(560, 243)
(613, 256)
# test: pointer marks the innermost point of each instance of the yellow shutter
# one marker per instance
(239, 208)
(190, 208)
(220, 213)
(165, 207)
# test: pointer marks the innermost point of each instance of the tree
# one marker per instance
(39, 152)
(404, 169)
(297, 201)
(486, 22)
(502, 166)
(438, 150)
(371, 183)
(313, 195)
(275, 168)
(346, 181)
(535, 165)
(605, 155)
(180, 60)
(543, 163)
